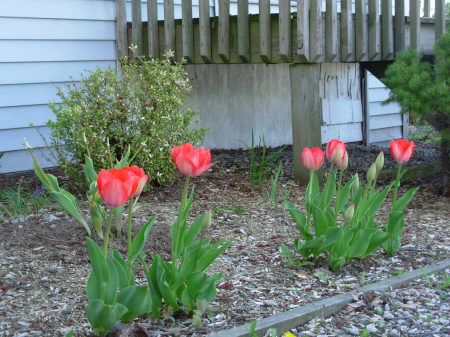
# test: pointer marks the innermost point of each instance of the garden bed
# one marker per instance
(44, 265)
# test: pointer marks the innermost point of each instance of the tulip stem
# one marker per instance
(107, 231)
(397, 183)
(309, 201)
(130, 215)
(185, 193)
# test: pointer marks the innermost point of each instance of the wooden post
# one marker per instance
(136, 26)
(360, 31)
(346, 30)
(224, 30)
(265, 36)
(374, 29)
(121, 29)
(426, 8)
(169, 26)
(331, 30)
(285, 29)
(399, 41)
(243, 32)
(440, 18)
(187, 30)
(153, 30)
(387, 30)
(205, 31)
(414, 24)
(306, 113)
(315, 31)
(303, 30)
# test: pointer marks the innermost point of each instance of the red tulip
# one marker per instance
(190, 161)
(313, 158)
(401, 150)
(336, 151)
(116, 186)
(141, 175)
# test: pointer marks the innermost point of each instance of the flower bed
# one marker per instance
(45, 266)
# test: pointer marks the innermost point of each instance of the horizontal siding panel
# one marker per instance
(341, 111)
(59, 9)
(24, 116)
(17, 161)
(378, 94)
(28, 94)
(40, 72)
(373, 82)
(377, 108)
(346, 132)
(384, 121)
(12, 140)
(50, 29)
(35, 51)
(387, 134)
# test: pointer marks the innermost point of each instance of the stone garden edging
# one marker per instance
(327, 307)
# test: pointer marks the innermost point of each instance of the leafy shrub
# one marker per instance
(141, 108)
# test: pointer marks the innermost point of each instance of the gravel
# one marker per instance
(420, 308)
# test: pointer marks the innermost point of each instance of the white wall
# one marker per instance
(45, 44)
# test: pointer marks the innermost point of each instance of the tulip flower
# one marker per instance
(401, 150)
(336, 151)
(141, 175)
(116, 186)
(313, 158)
(190, 161)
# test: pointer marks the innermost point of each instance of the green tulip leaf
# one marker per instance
(137, 300)
(102, 317)
(194, 229)
(402, 202)
(48, 180)
(299, 218)
(328, 191)
(89, 171)
(139, 241)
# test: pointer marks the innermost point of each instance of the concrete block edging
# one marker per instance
(329, 306)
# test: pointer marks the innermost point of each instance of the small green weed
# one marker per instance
(273, 194)
(22, 201)
(261, 164)
(445, 282)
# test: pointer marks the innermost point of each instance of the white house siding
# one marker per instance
(384, 122)
(44, 44)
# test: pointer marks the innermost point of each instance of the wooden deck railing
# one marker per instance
(299, 32)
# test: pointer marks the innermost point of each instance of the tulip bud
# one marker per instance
(379, 162)
(356, 183)
(207, 221)
(349, 213)
(96, 219)
(371, 173)
(344, 163)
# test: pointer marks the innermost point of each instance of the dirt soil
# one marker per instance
(44, 265)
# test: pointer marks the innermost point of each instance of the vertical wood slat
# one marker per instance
(243, 31)
(153, 29)
(426, 8)
(224, 30)
(169, 26)
(285, 29)
(187, 30)
(121, 28)
(399, 38)
(303, 30)
(331, 30)
(205, 31)
(346, 30)
(136, 26)
(440, 18)
(360, 31)
(414, 24)
(374, 29)
(315, 31)
(387, 30)
(265, 38)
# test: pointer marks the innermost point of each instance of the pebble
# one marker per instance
(371, 328)
(353, 330)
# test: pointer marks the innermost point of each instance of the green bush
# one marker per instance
(107, 112)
